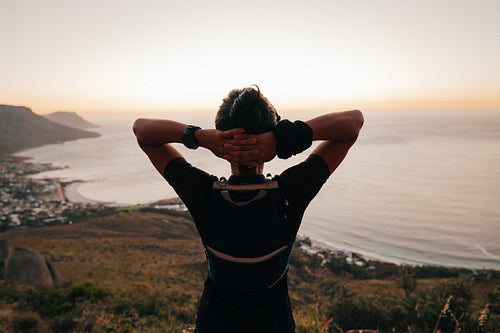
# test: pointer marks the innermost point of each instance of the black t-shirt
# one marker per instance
(299, 185)
(270, 311)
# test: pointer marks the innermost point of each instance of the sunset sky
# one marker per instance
(107, 55)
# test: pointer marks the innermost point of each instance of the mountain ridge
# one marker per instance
(21, 128)
(70, 119)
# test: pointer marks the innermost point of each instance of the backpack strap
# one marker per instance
(246, 260)
(247, 187)
(225, 195)
(262, 187)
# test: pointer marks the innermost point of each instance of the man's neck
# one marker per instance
(244, 171)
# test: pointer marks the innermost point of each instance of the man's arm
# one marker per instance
(155, 136)
(337, 130)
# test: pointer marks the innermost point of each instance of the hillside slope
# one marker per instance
(121, 249)
(154, 264)
(20, 128)
(70, 119)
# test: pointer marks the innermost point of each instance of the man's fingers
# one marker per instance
(243, 142)
(238, 145)
(229, 146)
(242, 136)
(230, 159)
(232, 132)
(242, 157)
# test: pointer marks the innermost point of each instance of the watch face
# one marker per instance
(188, 137)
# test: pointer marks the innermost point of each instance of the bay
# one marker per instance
(419, 186)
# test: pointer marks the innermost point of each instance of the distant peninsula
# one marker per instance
(70, 119)
(21, 128)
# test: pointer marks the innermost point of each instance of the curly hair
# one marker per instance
(246, 108)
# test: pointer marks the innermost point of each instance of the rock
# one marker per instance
(5, 253)
(27, 267)
(57, 277)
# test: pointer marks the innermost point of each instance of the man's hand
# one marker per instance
(250, 149)
(215, 140)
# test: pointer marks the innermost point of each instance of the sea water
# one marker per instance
(419, 186)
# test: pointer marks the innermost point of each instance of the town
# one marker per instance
(30, 202)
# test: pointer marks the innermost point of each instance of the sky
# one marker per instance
(107, 55)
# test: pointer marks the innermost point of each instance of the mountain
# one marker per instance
(20, 128)
(70, 119)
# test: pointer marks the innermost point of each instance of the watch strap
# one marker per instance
(188, 137)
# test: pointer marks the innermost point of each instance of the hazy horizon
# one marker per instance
(91, 56)
(165, 112)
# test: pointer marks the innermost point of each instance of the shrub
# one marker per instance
(338, 265)
(349, 311)
(27, 323)
(494, 301)
(87, 291)
(407, 281)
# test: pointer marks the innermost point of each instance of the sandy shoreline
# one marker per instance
(71, 193)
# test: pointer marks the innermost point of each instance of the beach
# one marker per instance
(71, 193)
(418, 187)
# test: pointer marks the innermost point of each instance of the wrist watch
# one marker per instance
(188, 138)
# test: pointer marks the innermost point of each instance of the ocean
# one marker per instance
(418, 187)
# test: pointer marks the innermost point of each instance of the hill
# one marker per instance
(20, 128)
(142, 270)
(70, 119)
(118, 250)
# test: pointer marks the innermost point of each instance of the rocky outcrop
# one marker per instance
(27, 267)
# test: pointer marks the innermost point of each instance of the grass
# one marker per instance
(119, 250)
(153, 264)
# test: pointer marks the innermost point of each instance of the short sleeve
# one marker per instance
(299, 185)
(302, 182)
(192, 185)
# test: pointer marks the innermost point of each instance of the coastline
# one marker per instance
(28, 202)
(317, 247)
(306, 243)
(71, 193)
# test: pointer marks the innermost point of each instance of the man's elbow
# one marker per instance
(138, 124)
(139, 128)
(357, 121)
(359, 118)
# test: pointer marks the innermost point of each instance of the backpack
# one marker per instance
(245, 237)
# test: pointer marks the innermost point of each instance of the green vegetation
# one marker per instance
(142, 270)
(332, 295)
(87, 308)
(78, 216)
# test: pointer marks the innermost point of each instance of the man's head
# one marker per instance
(246, 108)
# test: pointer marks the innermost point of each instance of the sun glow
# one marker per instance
(93, 55)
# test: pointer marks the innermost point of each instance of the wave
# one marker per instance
(486, 252)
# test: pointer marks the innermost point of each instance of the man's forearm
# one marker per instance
(338, 126)
(156, 132)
